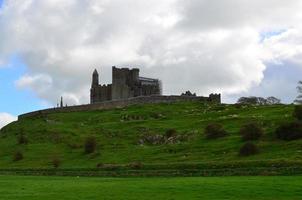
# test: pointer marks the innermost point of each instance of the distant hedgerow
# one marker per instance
(251, 131)
(248, 149)
(90, 145)
(214, 130)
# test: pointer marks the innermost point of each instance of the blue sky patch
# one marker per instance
(13, 100)
(269, 34)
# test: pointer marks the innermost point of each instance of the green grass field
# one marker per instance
(241, 188)
(118, 132)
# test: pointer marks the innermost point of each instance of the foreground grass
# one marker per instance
(275, 188)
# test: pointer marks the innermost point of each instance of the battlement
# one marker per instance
(126, 83)
(215, 97)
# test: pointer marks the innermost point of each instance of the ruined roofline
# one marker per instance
(147, 79)
(125, 68)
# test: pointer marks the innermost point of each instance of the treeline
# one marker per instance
(259, 100)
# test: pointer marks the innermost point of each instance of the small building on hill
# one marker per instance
(126, 83)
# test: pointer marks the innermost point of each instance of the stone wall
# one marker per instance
(119, 104)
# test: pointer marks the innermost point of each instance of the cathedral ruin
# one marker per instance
(127, 88)
(126, 83)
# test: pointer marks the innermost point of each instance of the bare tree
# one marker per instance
(298, 99)
(272, 100)
(258, 100)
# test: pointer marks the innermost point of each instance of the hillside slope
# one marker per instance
(122, 133)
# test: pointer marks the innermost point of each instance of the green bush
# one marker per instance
(251, 131)
(298, 112)
(90, 145)
(289, 131)
(56, 162)
(214, 130)
(18, 155)
(170, 133)
(22, 139)
(248, 149)
(135, 165)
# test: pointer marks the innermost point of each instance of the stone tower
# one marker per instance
(126, 83)
(95, 78)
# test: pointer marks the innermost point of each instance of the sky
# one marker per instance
(237, 48)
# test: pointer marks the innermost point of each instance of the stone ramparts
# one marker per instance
(119, 104)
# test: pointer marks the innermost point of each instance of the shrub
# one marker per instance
(289, 131)
(214, 130)
(22, 139)
(90, 145)
(170, 133)
(135, 165)
(251, 131)
(298, 112)
(99, 165)
(18, 155)
(56, 162)
(248, 149)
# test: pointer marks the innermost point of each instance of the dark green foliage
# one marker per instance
(170, 133)
(298, 112)
(251, 131)
(218, 108)
(248, 149)
(289, 131)
(56, 162)
(136, 165)
(18, 155)
(214, 130)
(22, 139)
(90, 145)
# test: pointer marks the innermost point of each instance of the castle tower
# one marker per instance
(61, 102)
(95, 78)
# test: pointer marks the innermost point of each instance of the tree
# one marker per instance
(298, 99)
(272, 100)
(252, 100)
(258, 100)
(247, 100)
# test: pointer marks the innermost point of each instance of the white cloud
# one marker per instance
(6, 118)
(286, 46)
(202, 45)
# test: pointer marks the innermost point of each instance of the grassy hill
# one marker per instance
(121, 136)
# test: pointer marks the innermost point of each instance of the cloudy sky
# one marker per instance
(238, 48)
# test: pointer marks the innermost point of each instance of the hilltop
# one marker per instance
(130, 138)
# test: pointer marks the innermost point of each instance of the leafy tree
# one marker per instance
(298, 99)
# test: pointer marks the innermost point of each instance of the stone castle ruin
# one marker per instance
(127, 88)
(126, 83)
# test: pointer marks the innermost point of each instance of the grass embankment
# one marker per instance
(118, 133)
(268, 188)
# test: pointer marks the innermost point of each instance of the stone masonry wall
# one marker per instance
(119, 104)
